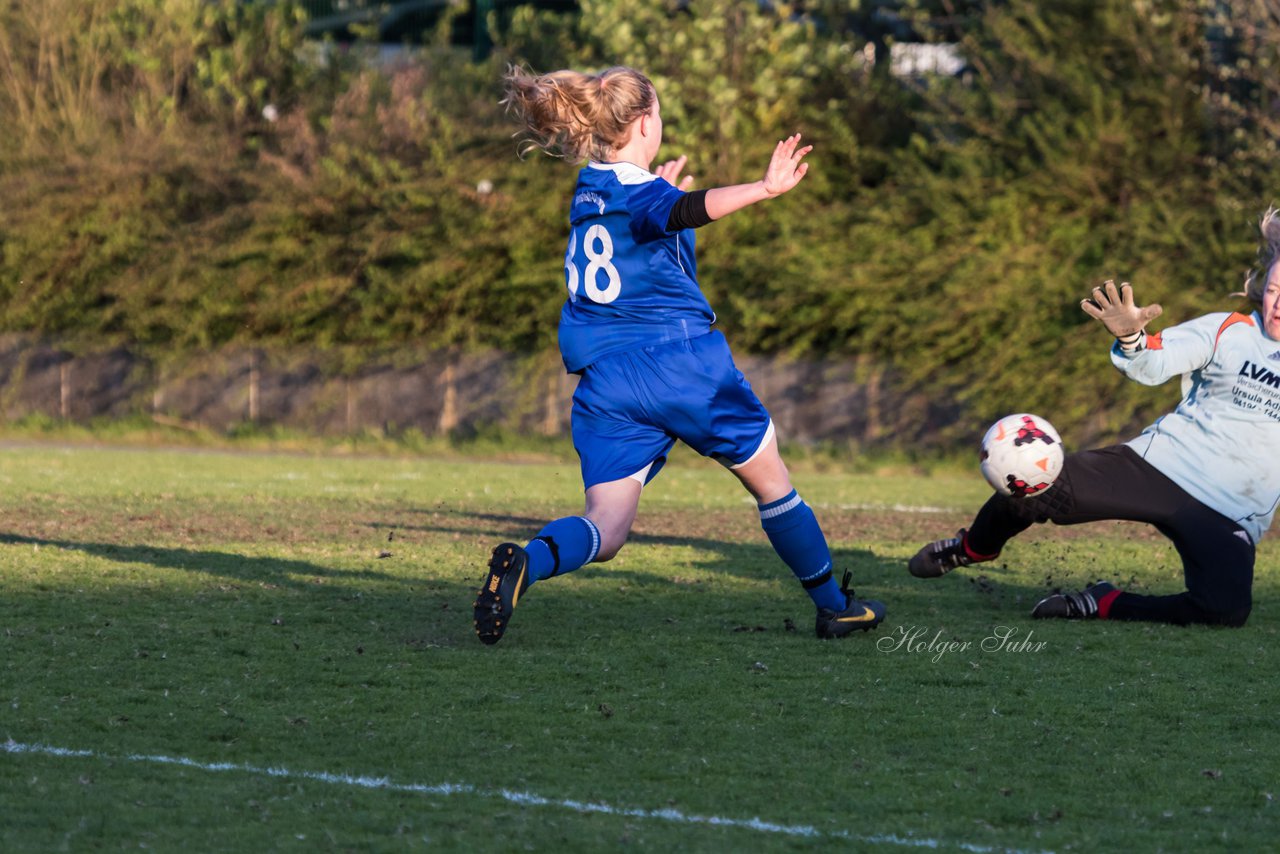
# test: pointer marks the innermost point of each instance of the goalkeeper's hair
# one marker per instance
(574, 115)
(1268, 253)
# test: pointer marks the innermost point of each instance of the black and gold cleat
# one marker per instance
(507, 580)
(859, 615)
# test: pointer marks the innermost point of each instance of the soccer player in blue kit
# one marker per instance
(1206, 475)
(637, 330)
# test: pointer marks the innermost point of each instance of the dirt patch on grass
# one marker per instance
(853, 526)
(302, 522)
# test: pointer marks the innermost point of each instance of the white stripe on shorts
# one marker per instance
(768, 434)
(641, 475)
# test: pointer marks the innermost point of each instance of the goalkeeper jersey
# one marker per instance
(1222, 443)
(632, 283)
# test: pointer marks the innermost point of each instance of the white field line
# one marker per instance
(897, 508)
(881, 507)
(521, 798)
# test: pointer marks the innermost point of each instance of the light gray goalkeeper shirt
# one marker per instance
(1222, 443)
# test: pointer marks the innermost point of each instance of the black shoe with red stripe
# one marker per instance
(859, 615)
(507, 580)
(1073, 606)
(942, 556)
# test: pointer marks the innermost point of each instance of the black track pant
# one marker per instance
(1115, 483)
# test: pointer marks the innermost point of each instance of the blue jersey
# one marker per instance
(632, 283)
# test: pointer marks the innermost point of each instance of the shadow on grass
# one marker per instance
(435, 610)
(741, 553)
(278, 571)
(520, 529)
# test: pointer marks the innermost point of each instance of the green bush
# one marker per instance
(185, 176)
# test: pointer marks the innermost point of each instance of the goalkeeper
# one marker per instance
(1206, 475)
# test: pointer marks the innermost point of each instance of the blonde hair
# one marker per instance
(1255, 282)
(577, 116)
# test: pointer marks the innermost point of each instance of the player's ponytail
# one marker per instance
(578, 116)
(1268, 254)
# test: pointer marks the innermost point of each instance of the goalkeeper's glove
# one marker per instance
(1117, 312)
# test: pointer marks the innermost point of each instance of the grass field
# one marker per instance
(216, 651)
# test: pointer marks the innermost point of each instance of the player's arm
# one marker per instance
(1176, 351)
(785, 170)
(1170, 353)
(1151, 361)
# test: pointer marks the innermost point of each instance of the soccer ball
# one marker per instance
(1021, 455)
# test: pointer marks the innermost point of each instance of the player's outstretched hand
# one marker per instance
(670, 172)
(786, 169)
(1116, 309)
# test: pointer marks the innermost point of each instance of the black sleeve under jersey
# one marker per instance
(690, 211)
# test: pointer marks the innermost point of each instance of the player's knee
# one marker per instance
(1229, 615)
(608, 551)
(1233, 619)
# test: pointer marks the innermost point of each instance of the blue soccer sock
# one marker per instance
(797, 538)
(562, 546)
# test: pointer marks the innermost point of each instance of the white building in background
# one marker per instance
(917, 59)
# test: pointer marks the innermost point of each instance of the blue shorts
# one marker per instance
(630, 408)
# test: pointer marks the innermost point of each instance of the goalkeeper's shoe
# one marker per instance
(508, 579)
(859, 615)
(1073, 606)
(942, 556)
